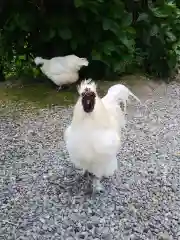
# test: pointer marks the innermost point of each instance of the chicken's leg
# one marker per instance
(59, 88)
(84, 174)
(62, 87)
(97, 186)
(87, 174)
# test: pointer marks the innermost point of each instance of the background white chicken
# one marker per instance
(62, 70)
(94, 136)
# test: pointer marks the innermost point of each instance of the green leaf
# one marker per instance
(78, 3)
(154, 30)
(18, 63)
(111, 25)
(95, 55)
(158, 13)
(22, 57)
(106, 24)
(127, 42)
(25, 27)
(65, 34)
(127, 20)
(131, 30)
(10, 27)
(52, 34)
(48, 36)
(119, 68)
(172, 59)
(109, 47)
(171, 36)
(94, 10)
(143, 17)
(96, 35)
(83, 17)
(74, 45)
(22, 22)
(36, 72)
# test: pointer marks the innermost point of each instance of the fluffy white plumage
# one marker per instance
(120, 93)
(62, 70)
(94, 138)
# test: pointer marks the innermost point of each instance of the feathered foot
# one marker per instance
(63, 87)
(97, 186)
(87, 174)
(59, 88)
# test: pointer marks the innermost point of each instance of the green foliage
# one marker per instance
(158, 37)
(119, 34)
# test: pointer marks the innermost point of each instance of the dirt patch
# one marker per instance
(141, 86)
(43, 95)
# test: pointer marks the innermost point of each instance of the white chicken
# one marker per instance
(94, 136)
(62, 70)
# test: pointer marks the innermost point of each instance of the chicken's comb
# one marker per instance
(87, 83)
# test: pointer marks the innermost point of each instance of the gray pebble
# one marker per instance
(164, 236)
(41, 197)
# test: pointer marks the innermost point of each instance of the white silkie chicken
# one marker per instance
(62, 70)
(93, 138)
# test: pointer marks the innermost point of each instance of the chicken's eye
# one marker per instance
(86, 91)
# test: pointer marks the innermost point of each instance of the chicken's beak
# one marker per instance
(88, 101)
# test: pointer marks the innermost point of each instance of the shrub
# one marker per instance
(158, 38)
(121, 35)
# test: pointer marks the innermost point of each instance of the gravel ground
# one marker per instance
(40, 197)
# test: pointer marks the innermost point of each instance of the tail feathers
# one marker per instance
(134, 96)
(39, 61)
(119, 93)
